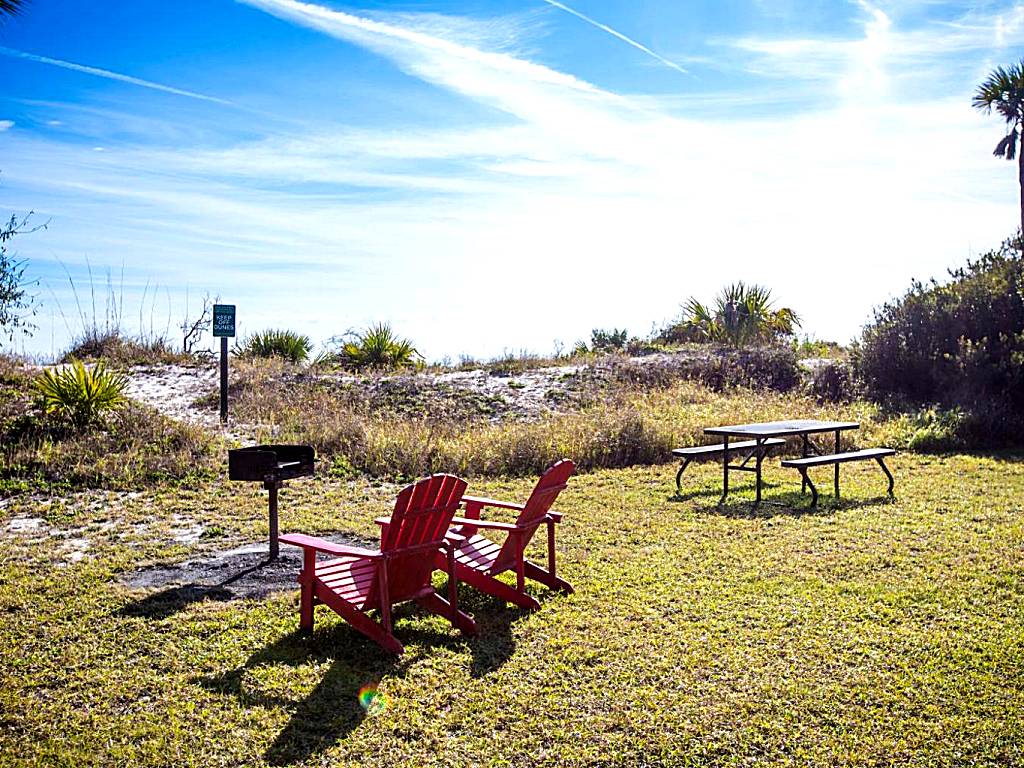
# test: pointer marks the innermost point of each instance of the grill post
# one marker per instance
(272, 487)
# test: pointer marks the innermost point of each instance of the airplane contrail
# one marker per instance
(15, 54)
(616, 33)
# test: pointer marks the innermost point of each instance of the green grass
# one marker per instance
(866, 633)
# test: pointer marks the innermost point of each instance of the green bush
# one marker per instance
(287, 345)
(956, 345)
(377, 347)
(833, 382)
(608, 341)
(79, 394)
(742, 316)
(937, 431)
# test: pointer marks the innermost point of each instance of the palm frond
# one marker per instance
(11, 7)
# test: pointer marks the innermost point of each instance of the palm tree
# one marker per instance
(1003, 91)
(10, 7)
(743, 315)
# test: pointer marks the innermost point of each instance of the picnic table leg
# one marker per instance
(838, 449)
(725, 469)
(803, 455)
(759, 448)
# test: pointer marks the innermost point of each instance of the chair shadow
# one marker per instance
(331, 711)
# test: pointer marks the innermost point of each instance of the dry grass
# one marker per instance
(617, 422)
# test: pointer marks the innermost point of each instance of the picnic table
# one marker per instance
(758, 441)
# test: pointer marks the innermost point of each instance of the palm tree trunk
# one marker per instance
(1020, 177)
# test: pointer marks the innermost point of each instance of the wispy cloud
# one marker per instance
(106, 73)
(619, 35)
(623, 207)
(6, 125)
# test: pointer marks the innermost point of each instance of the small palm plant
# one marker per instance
(288, 345)
(378, 347)
(79, 394)
(743, 315)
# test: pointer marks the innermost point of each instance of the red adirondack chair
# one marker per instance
(357, 580)
(478, 560)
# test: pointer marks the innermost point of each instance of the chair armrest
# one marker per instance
(480, 501)
(485, 524)
(383, 520)
(555, 516)
(322, 545)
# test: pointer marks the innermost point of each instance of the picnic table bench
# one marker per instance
(805, 463)
(705, 451)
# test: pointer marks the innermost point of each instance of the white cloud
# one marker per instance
(6, 125)
(576, 208)
(107, 74)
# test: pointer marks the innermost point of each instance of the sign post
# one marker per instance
(223, 328)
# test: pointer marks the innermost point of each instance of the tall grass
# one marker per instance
(625, 425)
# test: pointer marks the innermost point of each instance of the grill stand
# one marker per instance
(272, 486)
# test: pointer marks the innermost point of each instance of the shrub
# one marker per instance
(377, 347)
(287, 345)
(79, 394)
(936, 431)
(118, 350)
(772, 368)
(608, 341)
(955, 345)
(832, 382)
(742, 316)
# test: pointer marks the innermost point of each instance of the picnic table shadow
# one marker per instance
(331, 711)
(791, 504)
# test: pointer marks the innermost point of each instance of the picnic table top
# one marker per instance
(782, 428)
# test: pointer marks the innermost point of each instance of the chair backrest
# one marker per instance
(423, 512)
(544, 494)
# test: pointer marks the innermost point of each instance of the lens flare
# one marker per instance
(373, 701)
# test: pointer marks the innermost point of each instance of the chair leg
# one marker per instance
(437, 604)
(499, 589)
(546, 578)
(360, 621)
(306, 597)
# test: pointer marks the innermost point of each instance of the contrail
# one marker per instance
(615, 33)
(111, 75)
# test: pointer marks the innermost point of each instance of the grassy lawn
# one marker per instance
(864, 633)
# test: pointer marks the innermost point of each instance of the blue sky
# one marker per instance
(499, 175)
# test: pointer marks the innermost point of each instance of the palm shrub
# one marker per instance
(377, 347)
(742, 316)
(79, 394)
(288, 345)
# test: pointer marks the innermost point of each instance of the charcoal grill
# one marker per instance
(271, 465)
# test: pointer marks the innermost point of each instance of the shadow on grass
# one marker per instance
(331, 711)
(714, 492)
(268, 575)
(791, 505)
